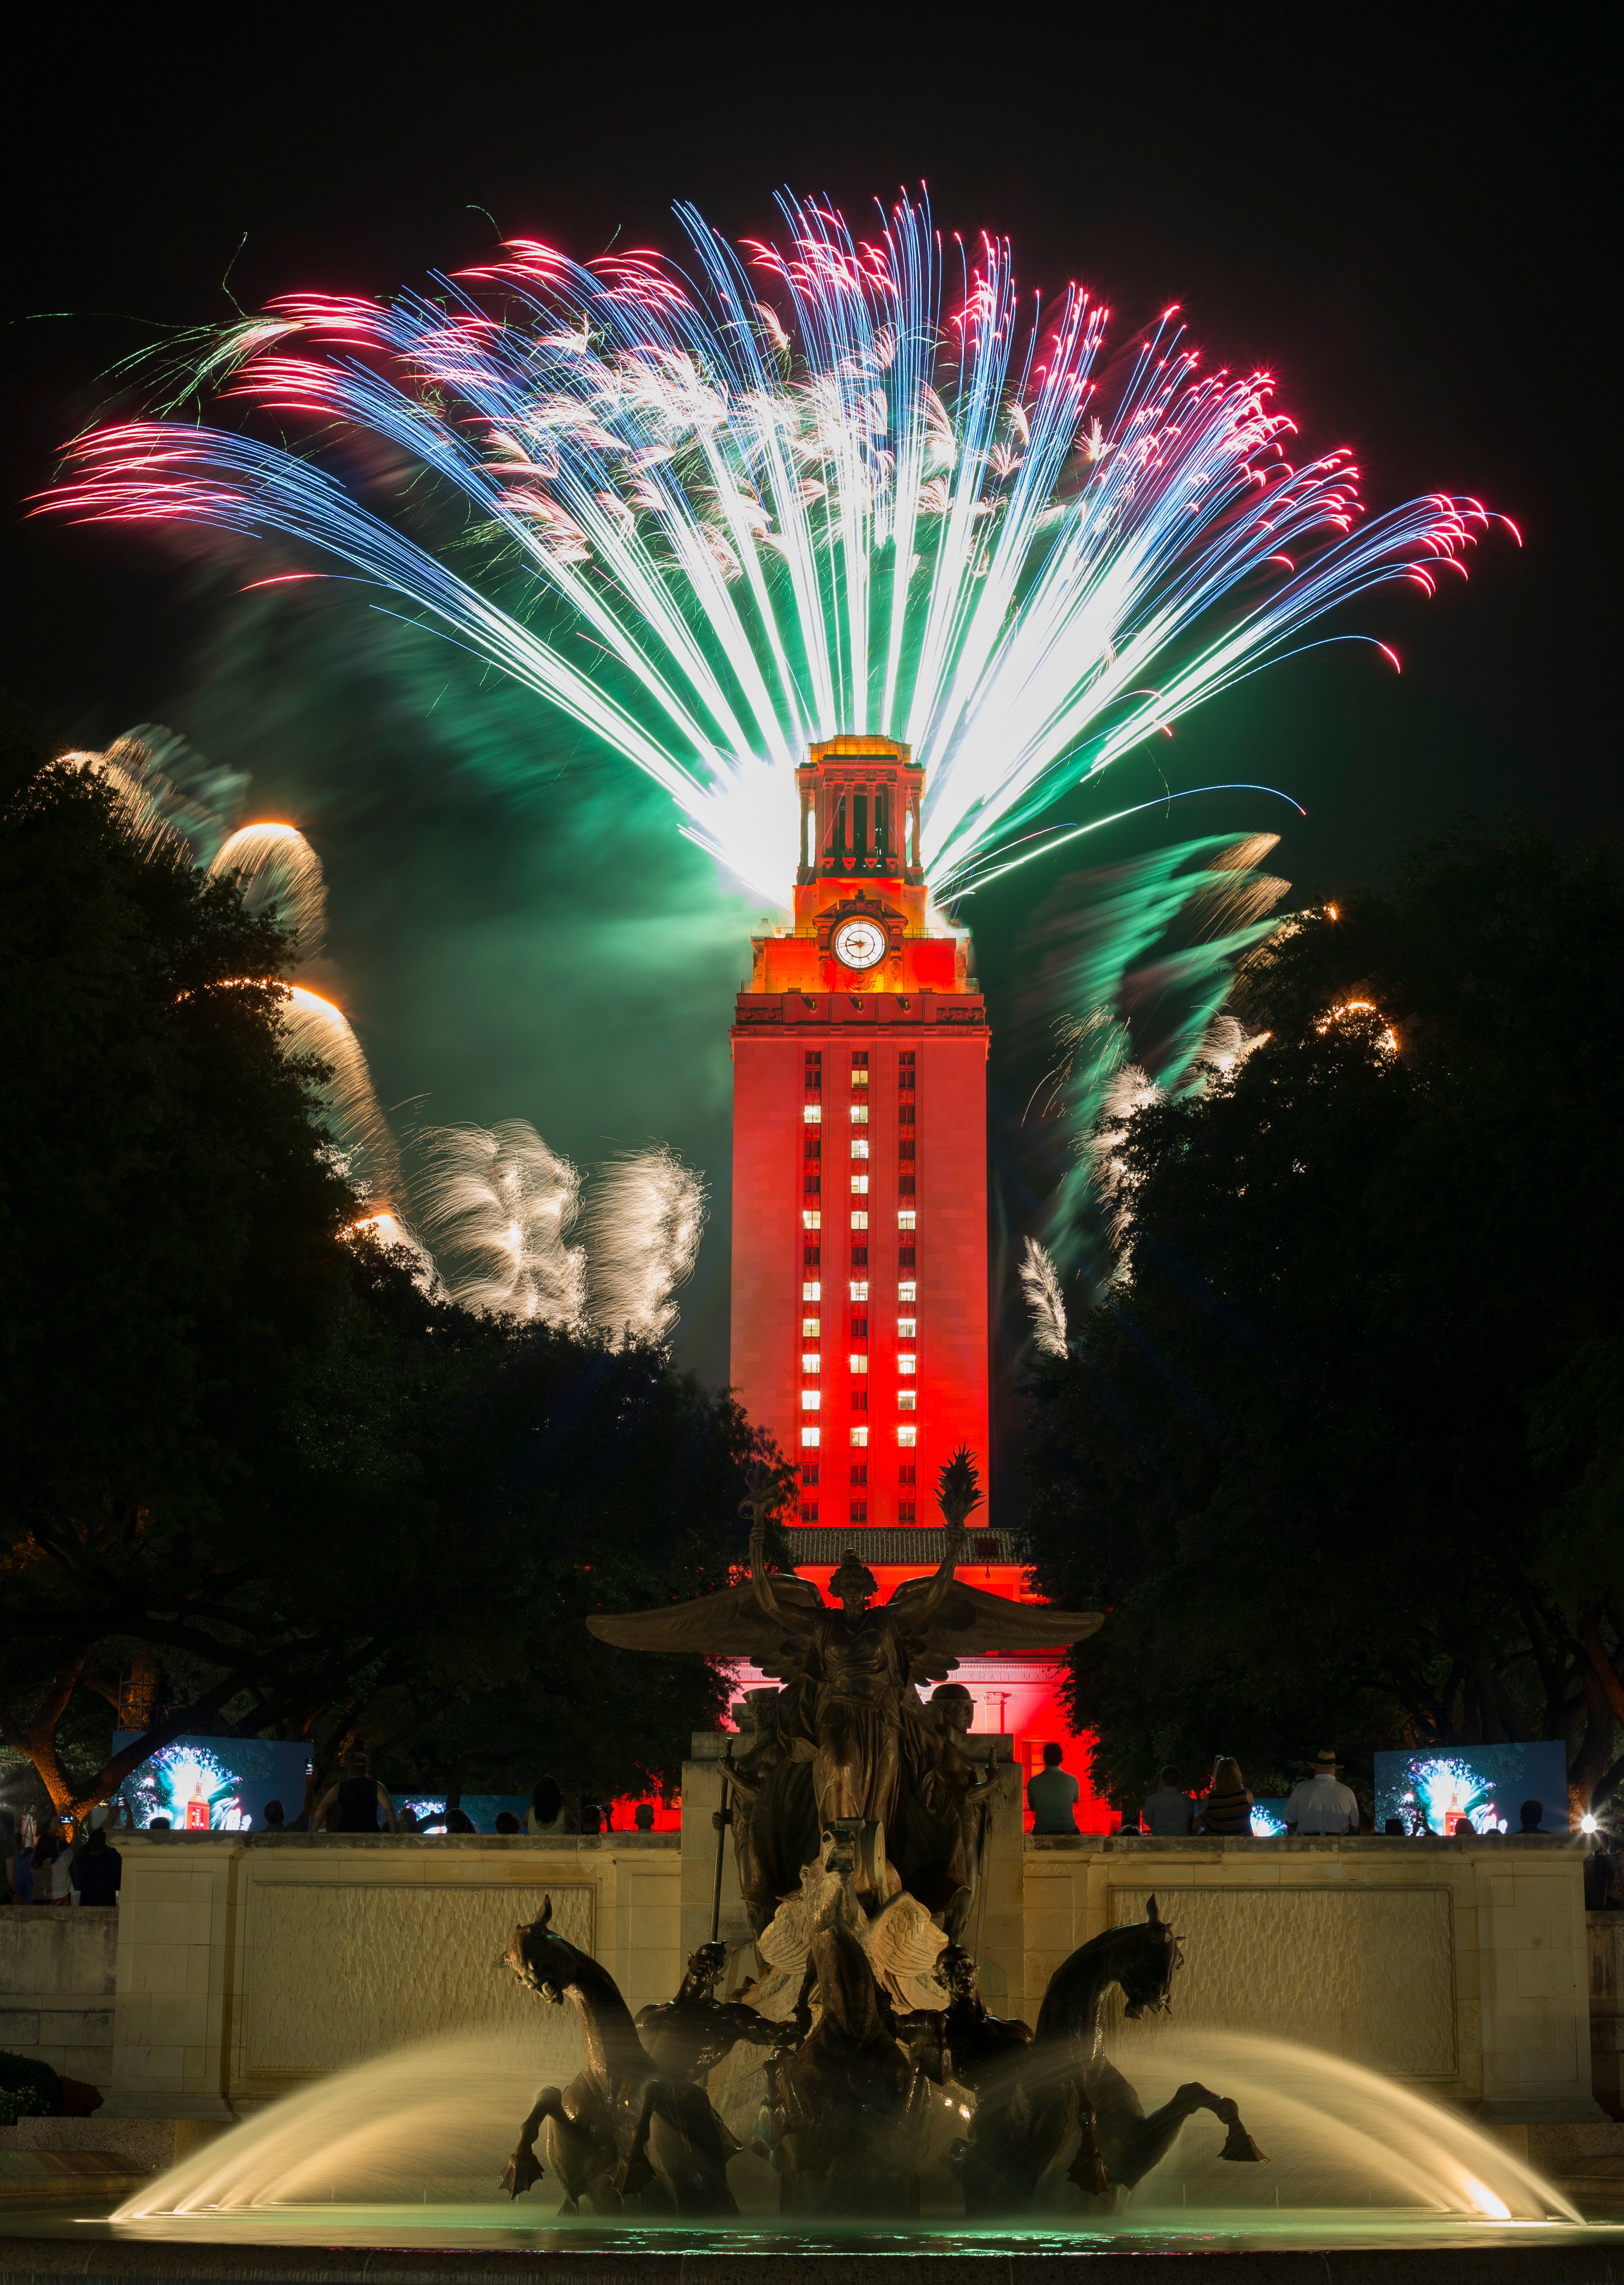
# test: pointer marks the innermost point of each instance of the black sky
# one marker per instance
(1404, 213)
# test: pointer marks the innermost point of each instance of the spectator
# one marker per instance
(1168, 1813)
(53, 1870)
(545, 1813)
(1323, 1804)
(458, 1820)
(1227, 1810)
(1052, 1796)
(405, 1817)
(98, 1869)
(1393, 1830)
(1532, 1815)
(275, 1814)
(591, 1816)
(643, 1817)
(506, 1821)
(352, 1805)
(159, 1825)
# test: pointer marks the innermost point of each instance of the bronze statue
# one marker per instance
(1027, 2105)
(850, 1708)
(622, 2126)
(687, 2036)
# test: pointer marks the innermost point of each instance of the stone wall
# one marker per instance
(57, 1970)
(1604, 1940)
(1460, 1966)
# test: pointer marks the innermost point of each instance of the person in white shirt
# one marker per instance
(1323, 1804)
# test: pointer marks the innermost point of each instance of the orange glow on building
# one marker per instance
(860, 1209)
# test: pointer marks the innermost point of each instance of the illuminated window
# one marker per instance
(859, 1114)
(812, 1218)
(859, 1363)
(809, 1361)
(813, 1113)
(905, 1363)
(860, 1219)
(907, 1218)
(812, 1400)
(859, 1146)
(859, 1188)
(906, 1435)
(860, 1439)
(859, 1289)
(812, 1327)
(907, 1291)
(813, 1290)
(908, 1399)
(859, 1070)
(809, 1438)
(905, 1327)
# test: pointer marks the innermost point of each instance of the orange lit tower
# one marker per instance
(859, 1214)
(859, 1279)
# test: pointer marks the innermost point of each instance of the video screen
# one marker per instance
(1268, 1818)
(1482, 1787)
(214, 1785)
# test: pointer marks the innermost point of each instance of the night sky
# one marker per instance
(1401, 212)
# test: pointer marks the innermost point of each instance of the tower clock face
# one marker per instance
(858, 944)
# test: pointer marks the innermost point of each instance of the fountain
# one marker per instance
(859, 2092)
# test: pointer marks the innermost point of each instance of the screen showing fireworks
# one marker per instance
(214, 1785)
(1482, 1787)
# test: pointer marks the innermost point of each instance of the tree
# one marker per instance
(239, 1444)
(1341, 1450)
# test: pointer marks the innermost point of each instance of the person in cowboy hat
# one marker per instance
(1323, 1804)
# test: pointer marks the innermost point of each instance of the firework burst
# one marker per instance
(833, 484)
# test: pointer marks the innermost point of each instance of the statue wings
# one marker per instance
(730, 1624)
(970, 1622)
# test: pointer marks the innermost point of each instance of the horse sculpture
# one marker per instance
(848, 2108)
(1028, 2099)
(621, 2125)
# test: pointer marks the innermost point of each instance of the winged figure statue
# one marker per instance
(851, 1668)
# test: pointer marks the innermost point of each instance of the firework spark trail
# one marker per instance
(1040, 1284)
(279, 872)
(348, 1101)
(645, 1215)
(499, 1204)
(887, 514)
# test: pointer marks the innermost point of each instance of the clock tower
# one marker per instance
(860, 1232)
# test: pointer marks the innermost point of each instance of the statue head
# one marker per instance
(957, 1970)
(545, 1963)
(854, 1585)
(953, 1707)
(704, 1967)
(1147, 1972)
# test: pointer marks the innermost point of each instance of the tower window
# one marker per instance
(859, 1188)
(860, 1362)
(859, 1399)
(813, 1290)
(860, 1328)
(809, 1361)
(906, 1435)
(906, 1512)
(812, 1218)
(859, 1510)
(908, 1399)
(859, 1472)
(809, 1438)
(907, 1290)
(809, 1475)
(812, 1113)
(859, 1289)
(907, 1362)
(809, 1511)
(906, 1258)
(908, 1472)
(906, 1219)
(904, 1327)
(812, 1399)
(859, 1114)
(860, 1439)
(859, 1214)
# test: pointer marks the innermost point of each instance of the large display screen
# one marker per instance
(1483, 1788)
(214, 1785)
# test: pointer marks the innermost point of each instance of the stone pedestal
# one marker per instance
(1604, 1945)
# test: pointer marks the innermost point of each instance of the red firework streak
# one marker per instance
(859, 1230)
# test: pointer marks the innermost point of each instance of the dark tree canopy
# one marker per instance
(239, 1445)
(1342, 1451)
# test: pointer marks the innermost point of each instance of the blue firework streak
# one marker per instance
(795, 490)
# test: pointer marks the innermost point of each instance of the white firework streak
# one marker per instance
(500, 1204)
(349, 1102)
(279, 873)
(645, 1216)
(1040, 1284)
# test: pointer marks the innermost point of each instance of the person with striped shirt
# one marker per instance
(1227, 1810)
